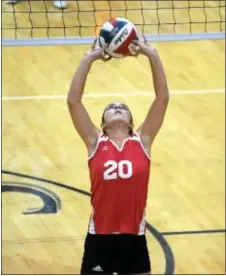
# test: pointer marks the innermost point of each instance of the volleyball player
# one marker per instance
(119, 167)
(60, 4)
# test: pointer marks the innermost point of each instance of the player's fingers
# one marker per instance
(136, 48)
(102, 52)
(136, 42)
(136, 45)
(87, 52)
(135, 52)
(106, 57)
(105, 46)
(94, 44)
(144, 38)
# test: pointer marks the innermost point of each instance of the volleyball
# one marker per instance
(118, 33)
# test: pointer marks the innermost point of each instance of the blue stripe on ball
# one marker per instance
(109, 35)
(120, 24)
(106, 35)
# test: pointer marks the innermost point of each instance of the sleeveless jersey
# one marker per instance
(119, 186)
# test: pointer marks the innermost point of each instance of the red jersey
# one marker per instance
(119, 186)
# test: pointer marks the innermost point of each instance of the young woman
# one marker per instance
(119, 166)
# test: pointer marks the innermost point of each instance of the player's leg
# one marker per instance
(134, 256)
(142, 264)
(97, 255)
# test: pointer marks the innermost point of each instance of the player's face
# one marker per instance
(117, 112)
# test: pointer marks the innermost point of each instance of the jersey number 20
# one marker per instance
(123, 169)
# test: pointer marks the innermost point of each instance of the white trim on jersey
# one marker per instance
(100, 139)
(139, 139)
(122, 146)
(91, 224)
(142, 226)
(136, 137)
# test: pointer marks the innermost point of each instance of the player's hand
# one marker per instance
(96, 53)
(143, 48)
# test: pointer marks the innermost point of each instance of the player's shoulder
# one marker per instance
(101, 138)
(135, 137)
(142, 143)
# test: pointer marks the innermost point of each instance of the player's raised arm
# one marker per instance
(80, 117)
(154, 119)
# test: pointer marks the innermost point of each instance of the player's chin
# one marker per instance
(118, 120)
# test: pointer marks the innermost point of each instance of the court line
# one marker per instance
(117, 94)
(167, 251)
(81, 238)
(192, 232)
(58, 184)
(47, 181)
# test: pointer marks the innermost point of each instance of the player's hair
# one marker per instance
(131, 121)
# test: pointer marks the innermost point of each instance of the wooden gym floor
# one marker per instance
(44, 159)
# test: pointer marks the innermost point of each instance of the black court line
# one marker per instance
(183, 232)
(168, 254)
(194, 232)
(47, 181)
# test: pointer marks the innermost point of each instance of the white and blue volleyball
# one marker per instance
(118, 33)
